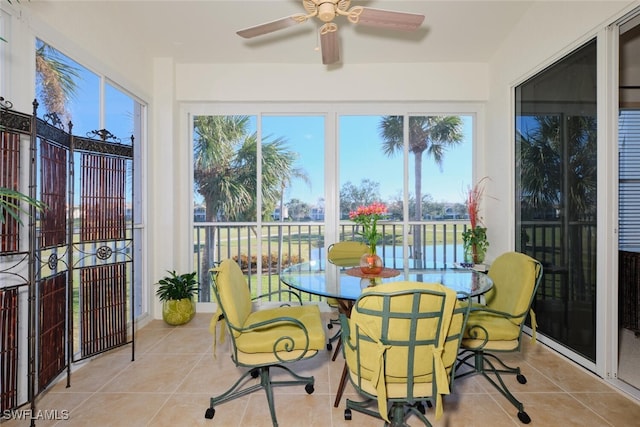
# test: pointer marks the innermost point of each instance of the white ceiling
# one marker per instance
(204, 31)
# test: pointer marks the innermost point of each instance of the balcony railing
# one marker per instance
(281, 244)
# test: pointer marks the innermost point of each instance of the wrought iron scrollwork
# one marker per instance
(13, 121)
(54, 120)
(104, 252)
(53, 261)
(5, 104)
(104, 135)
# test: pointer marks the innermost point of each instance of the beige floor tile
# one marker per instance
(184, 340)
(175, 374)
(153, 373)
(188, 409)
(553, 409)
(149, 337)
(292, 410)
(617, 409)
(116, 409)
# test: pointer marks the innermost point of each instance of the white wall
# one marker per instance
(547, 32)
(304, 83)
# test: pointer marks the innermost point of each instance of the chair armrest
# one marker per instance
(287, 341)
(280, 292)
(485, 309)
(478, 330)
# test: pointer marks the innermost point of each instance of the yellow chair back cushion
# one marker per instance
(396, 369)
(514, 279)
(347, 253)
(234, 293)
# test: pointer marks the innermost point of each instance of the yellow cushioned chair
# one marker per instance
(262, 339)
(400, 344)
(496, 327)
(342, 254)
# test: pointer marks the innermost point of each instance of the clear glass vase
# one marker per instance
(371, 263)
(474, 254)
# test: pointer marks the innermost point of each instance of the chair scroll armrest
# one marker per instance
(284, 343)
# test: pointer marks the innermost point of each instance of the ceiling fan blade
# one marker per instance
(329, 44)
(386, 18)
(269, 27)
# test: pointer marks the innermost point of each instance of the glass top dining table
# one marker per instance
(319, 277)
(345, 284)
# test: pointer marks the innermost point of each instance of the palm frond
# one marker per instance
(10, 204)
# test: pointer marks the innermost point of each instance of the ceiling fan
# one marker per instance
(326, 11)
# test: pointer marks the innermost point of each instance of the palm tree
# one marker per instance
(57, 80)
(225, 174)
(58, 83)
(432, 135)
(558, 171)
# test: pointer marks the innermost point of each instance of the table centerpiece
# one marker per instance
(367, 217)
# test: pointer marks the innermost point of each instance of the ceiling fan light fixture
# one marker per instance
(326, 11)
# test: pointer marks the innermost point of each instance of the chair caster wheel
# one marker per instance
(330, 326)
(347, 414)
(521, 379)
(255, 373)
(524, 417)
(209, 413)
(420, 407)
(309, 388)
(329, 346)
(429, 404)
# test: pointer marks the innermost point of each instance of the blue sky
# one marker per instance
(360, 152)
(361, 157)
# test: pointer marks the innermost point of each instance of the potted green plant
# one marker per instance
(474, 239)
(176, 291)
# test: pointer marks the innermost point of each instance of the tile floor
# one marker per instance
(174, 374)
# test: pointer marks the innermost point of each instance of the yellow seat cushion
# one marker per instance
(261, 340)
(332, 302)
(503, 334)
(255, 347)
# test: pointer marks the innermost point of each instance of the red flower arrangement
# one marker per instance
(367, 217)
(474, 197)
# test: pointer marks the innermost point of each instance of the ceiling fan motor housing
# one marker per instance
(327, 11)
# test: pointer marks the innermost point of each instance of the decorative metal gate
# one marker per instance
(67, 275)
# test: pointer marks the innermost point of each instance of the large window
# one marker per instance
(556, 194)
(69, 93)
(275, 189)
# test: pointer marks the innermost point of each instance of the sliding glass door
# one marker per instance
(556, 194)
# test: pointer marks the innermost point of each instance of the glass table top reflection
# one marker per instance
(319, 277)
